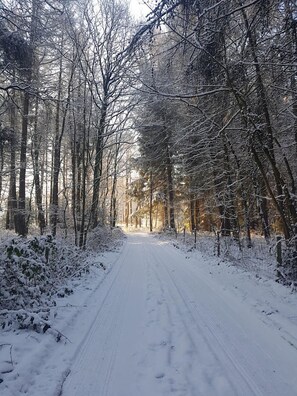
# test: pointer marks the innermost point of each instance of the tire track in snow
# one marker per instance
(107, 362)
(220, 353)
(159, 325)
(255, 347)
(80, 379)
(178, 382)
(244, 351)
(159, 332)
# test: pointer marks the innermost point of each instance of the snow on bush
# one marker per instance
(105, 239)
(287, 270)
(34, 272)
(259, 259)
(33, 269)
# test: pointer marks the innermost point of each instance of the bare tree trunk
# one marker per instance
(197, 214)
(127, 200)
(36, 170)
(285, 201)
(165, 218)
(12, 198)
(151, 201)
(286, 228)
(74, 156)
(262, 205)
(84, 160)
(66, 199)
(54, 202)
(59, 133)
(2, 142)
(113, 207)
(20, 217)
(192, 212)
(170, 189)
(98, 166)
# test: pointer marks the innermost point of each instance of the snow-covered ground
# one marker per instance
(160, 321)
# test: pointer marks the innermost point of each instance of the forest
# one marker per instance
(187, 119)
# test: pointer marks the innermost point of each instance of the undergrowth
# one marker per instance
(35, 272)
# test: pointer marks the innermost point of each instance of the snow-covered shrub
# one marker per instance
(287, 272)
(104, 238)
(34, 269)
(169, 231)
(22, 319)
(259, 259)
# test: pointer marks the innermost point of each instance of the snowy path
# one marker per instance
(163, 327)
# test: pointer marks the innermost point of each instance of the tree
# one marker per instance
(107, 65)
(225, 85)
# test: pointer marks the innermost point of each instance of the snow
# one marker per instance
(160, 321)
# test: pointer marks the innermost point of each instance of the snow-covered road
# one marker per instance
(164, 327)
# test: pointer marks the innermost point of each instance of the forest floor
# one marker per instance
(158, 321)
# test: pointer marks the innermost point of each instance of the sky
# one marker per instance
(138, 9)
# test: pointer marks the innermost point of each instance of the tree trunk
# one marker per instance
(36, 171)
(12, 198)
(98, 167)
(54, 203)
(2, 142)
(285, 225)
(151, 201)
(74, 187)
(113, 207)
(192, 212)
(170, 190)
(20, 217)
(285, 201)
(59, 133)
(85, 133)
(197, 214)
(127, 201)
(165, 218)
